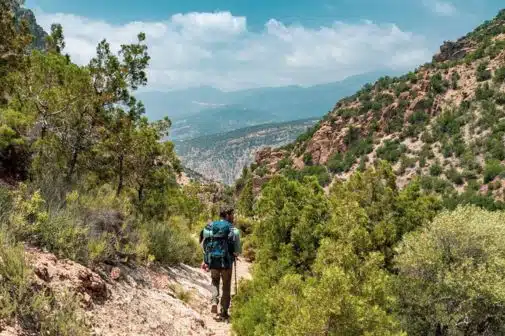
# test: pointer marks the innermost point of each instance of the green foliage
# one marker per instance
(329, 257)
(246, 200)
(492, 169)
(455, 176)
(436, 169)
(455, 77)
(307, 159)
(499, 75)
(391, 150)
(284, 163)
(438, 85)
(317, 171)
(456, 262)
(36, 310)
(484, 92)
(170, 242)
(400, 88)
(483, 74)
(342, 162)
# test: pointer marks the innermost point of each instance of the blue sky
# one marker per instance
(234, 44)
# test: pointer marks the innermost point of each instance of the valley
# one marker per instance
(221, 157)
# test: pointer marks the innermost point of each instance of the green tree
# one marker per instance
(246, 200)
(450, 275)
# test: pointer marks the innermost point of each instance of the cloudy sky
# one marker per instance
(236, 44)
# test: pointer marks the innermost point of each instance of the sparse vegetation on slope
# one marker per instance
(441, 115)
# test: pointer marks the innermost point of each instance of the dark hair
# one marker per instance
(226, 211)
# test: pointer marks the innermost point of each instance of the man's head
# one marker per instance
(227, 213)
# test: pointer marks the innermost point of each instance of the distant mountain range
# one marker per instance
(203, 111)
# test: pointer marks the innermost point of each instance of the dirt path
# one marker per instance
(224, 328)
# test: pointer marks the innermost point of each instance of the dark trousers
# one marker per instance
(224, 275)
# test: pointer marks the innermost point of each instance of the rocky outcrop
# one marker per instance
(452, 51)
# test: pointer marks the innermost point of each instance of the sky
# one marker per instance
(240, 44)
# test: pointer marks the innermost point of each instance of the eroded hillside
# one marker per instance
(444, 122)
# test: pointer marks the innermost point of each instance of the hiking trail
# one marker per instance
(224, 328)
(134, 300)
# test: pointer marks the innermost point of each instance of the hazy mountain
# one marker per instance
(188, 108)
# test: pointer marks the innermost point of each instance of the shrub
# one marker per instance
(33, 308)
(320, 172)
(171, 243)
(458, 262)
(499, 75)
(455, 77)
(436, 169)
(492, 169)
(453, 175)
(391, 150)
(285, 162)
(500, 98)
(438, 85)
(484, 92)
(307, 159)
(483, 74)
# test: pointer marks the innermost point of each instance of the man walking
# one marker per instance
(221, 244)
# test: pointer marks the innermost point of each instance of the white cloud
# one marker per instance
(442, 8)
(218, 49)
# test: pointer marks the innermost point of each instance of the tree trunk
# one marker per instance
(120, 173)
(73, 161)
(141, 192)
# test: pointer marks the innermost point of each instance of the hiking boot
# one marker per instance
(213, 309)
(223, 317)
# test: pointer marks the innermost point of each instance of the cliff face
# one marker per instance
(446, 114)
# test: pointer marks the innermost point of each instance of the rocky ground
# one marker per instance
(127, 300)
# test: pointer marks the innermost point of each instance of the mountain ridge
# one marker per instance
(431, 123)
(180, 102)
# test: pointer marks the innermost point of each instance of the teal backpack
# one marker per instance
(218, 245)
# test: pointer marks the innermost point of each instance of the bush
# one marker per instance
(492, 169)
(455, 77)
(23, 302)
(438, 85)
(307, 159)
(391, 151)
(320, 172)
(457, 262)
(453, 175)
(484, 92)
(285, 162)
(170, 242)
(483, 74)
(499, 75)
(436, 169)
(500, 98)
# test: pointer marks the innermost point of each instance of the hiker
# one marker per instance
(221, 244)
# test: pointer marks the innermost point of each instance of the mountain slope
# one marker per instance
(444, 122)
(222, 156)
